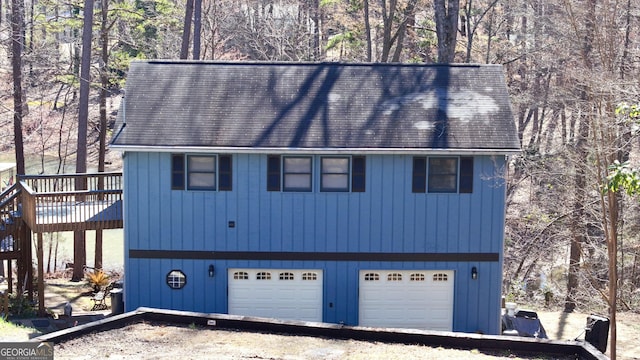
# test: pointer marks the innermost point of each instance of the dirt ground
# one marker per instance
(152, 341)
(570, 326)
(157, 341)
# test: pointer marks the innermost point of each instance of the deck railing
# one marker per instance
(72, 202)
(9, 221)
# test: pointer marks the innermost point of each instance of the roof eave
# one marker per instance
(289, 150)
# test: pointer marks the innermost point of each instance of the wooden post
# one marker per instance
(40, 254)
(25, 266)
(98, 250)
(4, 303)
(22, 262)
(28, 258)
(10, 275)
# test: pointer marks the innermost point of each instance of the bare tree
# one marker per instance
(197, 28)
(186, 30)
(446, 18)
(79, 237)
(17, 43)
(367, 30)
(473, 18)
(104, 85)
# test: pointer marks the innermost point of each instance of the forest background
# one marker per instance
(570, 66)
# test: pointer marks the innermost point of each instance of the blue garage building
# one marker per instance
(362, 194)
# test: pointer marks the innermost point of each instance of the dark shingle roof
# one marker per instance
(316, 106)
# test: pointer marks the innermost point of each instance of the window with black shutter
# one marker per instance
(443, 175)
(201, 172)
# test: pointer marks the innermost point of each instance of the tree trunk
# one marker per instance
(388, 14)
(408, 19)
(79, 251)
(317, 23)
(446, 15)
(367, 29)
(104, 82)
(186, 30)
(624, 64)
(577, 218)
(612, 249)
(17, 41)
(197, 28)
(75, 63)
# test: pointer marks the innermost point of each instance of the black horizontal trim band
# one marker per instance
(310, 256)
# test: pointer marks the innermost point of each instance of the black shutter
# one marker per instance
(273, 173)
(466, 175)
(177, 172)
(225, 176)
(358, 174)
(419, 183)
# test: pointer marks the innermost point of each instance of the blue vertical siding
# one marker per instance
(388, 217)
(476, 308)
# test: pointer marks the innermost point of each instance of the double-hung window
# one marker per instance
(334, 174)
(297, 173)
(442, 175)
(201, 172)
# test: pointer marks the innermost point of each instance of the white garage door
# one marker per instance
(417, 299)
(276, 293)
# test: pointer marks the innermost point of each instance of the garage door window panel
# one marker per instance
(372, 277)
(263, 276)
(240, 275)
(309, 277)
(287, 276)
(440, 277)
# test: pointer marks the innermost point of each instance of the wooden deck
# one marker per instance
(72, 202)
(51, 203)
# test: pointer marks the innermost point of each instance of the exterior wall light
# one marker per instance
(474, 273)
(211, 272)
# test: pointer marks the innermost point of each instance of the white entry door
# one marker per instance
(417, 299)
(276, 293)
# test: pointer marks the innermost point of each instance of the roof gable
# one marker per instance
(316, 106)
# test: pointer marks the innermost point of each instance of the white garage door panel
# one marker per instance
(276, 293)
(408, 299)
